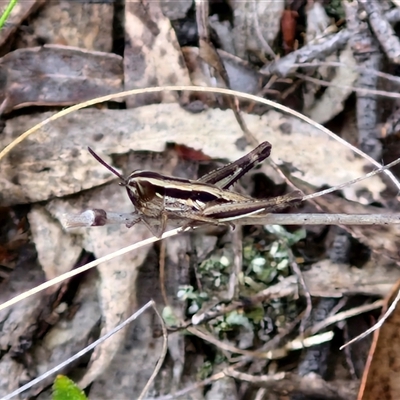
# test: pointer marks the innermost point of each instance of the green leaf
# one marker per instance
(65, 389)
(169, 316)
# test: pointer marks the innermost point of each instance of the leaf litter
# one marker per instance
(53, 171)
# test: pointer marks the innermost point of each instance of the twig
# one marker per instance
(162, 355)
(360, 90)
(366, 52)
(227, 371)
(209, 54)
(203, 383)
(373, 328)
(287, 65)
(339, 64)
(266, 47)
(320, 50)
(287, 383)
(341, 316)
(296, 270)
(98, 217)
(286, 288)
(302, 219)
(91, 347)
(224, 346)
(321, 219)
(237, 242)
(162, 256)
(382, 29)
(274, 354)
(281, 219)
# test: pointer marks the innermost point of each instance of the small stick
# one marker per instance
(98, 217)
(129, 219)
(383, 30)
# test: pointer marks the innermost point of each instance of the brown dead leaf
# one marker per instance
(58, 75)
(381, 374)
(152, 56)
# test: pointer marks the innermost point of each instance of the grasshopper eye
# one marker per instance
(145, 190)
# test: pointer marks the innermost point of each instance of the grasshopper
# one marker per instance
(160, 199)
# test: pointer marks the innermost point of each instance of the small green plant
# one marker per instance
(195, 298)
(65, 389)
(265, 262)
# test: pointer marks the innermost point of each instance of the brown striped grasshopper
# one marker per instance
(159, 198)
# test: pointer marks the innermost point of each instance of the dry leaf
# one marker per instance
(57, 250)
(173, 9)
(245, 35)
(152, 56)
(80, 24)
(317, 20)
(327, 279)
(332, 101)
(58, 75)
(20, 12)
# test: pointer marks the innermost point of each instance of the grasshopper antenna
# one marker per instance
(109, 167)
